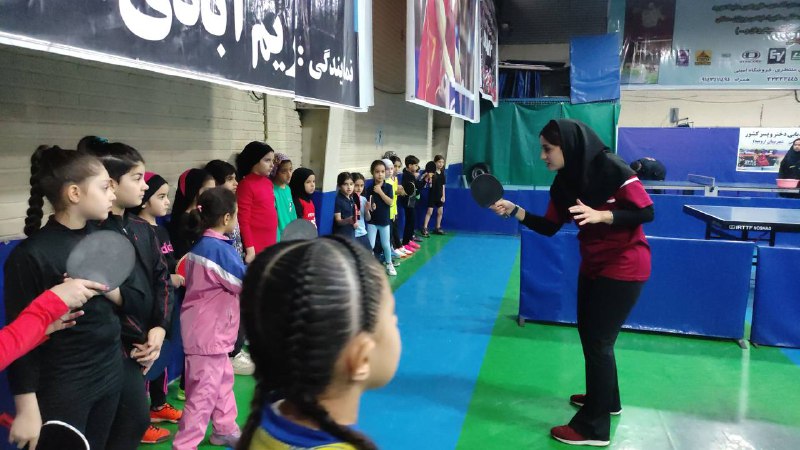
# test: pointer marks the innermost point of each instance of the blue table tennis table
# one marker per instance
(724, 222)
(711, 187)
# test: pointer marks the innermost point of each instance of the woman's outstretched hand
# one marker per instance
(503, 207)
(586, 215)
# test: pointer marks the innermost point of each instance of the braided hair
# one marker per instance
(53, 168)
(299, 312)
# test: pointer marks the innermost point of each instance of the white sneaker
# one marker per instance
(390, 270)
(398, 254)
(242, 364)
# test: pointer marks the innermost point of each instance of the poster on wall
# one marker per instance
(647, 39)
(763, 149)
(489, 49)
(724, 44)
(308, 49)
(443, 58)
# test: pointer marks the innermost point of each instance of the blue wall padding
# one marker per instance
(776, 306)
(453, 174)
(462, 214)
(6, 399)
(697, 287)
(704, 151)
(594, 68)
(549, 277)
(686, 294)
(323, 204)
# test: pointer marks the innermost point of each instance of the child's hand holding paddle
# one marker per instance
(75, 293)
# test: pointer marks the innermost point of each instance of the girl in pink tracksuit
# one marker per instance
(209, 323)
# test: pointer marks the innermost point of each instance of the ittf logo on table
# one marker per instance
(776, 56)
(795, 55)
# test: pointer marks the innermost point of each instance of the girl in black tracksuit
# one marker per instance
(145, 296)
(74, 376)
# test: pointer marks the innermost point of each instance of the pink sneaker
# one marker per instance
(414, 245)
(410, 249)
(230, 440)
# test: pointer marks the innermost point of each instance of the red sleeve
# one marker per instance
(244, 199)
(28, 330)
(556, 216)
(633, 193)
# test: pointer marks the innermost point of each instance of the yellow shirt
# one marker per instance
(393, 209)
(278, 433)
(264, 441)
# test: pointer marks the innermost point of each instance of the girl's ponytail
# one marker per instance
(35, 212)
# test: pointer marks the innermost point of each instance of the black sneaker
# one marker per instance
(425, 233)
(439, 231)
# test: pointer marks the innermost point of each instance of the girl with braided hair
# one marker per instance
(210, 322)
(320, 319)
(74, 376)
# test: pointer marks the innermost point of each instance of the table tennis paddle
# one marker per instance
(105, 256)
(56, 435)
(299, 230)
(486, 190)
(180, 269)
(53, 435)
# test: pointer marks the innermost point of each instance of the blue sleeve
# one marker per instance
(337, 205)
(229, 260)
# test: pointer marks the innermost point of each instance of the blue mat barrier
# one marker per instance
(685, 295)
(462, 214)
(776, 306)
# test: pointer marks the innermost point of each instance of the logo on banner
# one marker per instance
(776, 56)
(702, 58)
(795, 55)
(751, 56)
(682, 57)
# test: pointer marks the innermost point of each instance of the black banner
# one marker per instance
(309, 47)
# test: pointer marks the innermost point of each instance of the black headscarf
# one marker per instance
(297, 185)
(250, 156)
(792, 156)
(591, 172)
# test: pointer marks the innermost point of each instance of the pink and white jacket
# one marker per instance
(210, 311)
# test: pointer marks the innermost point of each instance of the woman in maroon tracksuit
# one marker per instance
(597, 190)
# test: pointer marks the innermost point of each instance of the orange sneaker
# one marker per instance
(155, 435)
(167, 413)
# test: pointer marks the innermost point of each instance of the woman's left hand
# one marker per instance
(586, 215)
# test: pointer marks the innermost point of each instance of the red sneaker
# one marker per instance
(414, 245)
(155, 435)
(579, 399)
(167, 413)
(567, 435)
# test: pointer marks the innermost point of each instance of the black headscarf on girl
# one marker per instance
(591, 172)
(297, 185)
(250, 156)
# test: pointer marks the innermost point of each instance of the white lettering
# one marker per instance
(266, 44)
(146, 26)
(215, 16)
(187, 11)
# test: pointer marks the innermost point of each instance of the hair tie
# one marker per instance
(200, 208)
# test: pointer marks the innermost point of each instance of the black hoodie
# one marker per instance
(146, 294)
(81, 363)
